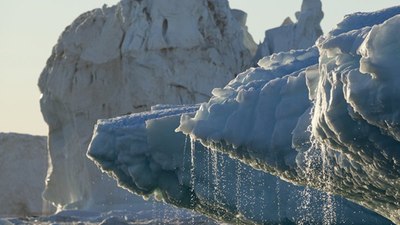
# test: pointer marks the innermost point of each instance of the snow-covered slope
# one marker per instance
(23, 167)
(147, 157)
(332, 125)
(122, 59)
(299, 35)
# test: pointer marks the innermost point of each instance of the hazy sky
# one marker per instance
(29, 29)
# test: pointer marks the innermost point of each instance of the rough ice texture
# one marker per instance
(299, 35)
(147, 157)
(122, 59)
(332, 124)
(23, 168)
(155, 214)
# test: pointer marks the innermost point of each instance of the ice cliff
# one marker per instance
(326, 117)
(299, 35)
(23, 168)
(123, 59)
(332, 124)
(144, 153)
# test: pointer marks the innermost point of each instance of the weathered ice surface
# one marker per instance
(144, 153)
(299, 35)
(122, 59)
(326, 117)
(23, 168)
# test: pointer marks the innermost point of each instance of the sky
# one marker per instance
(29, 29)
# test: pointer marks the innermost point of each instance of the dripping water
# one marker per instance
(305, 208)
(184, 154)
(192, 172)
(214, 162)
(238, 186)
(317, 170)
(154, 210)
(165, 213)
(312, 164)
(278, 199)
(329, 203)
(222, 179)
(192, 161)
(262, 186)
(209, 175)
(251, 198)
(186, 169)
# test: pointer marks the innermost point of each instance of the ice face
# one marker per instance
(122, 59)
(147, 157)
(343, 138)
(268, 98)
(355, 113)
(23, 165)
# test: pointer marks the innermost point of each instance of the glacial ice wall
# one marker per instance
(122, 59)
(332, 125)
(290, 35)
(23, 167)
(144, 153)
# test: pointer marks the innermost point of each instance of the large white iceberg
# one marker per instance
(326, 117)
(122, 59)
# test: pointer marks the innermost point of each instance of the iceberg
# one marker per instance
(23, 166)
(107, 60)
(326, 118)
(299, 35)
(333, 125)
(117, 60)
(148, 158)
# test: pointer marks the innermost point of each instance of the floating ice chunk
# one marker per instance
(185, 174)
